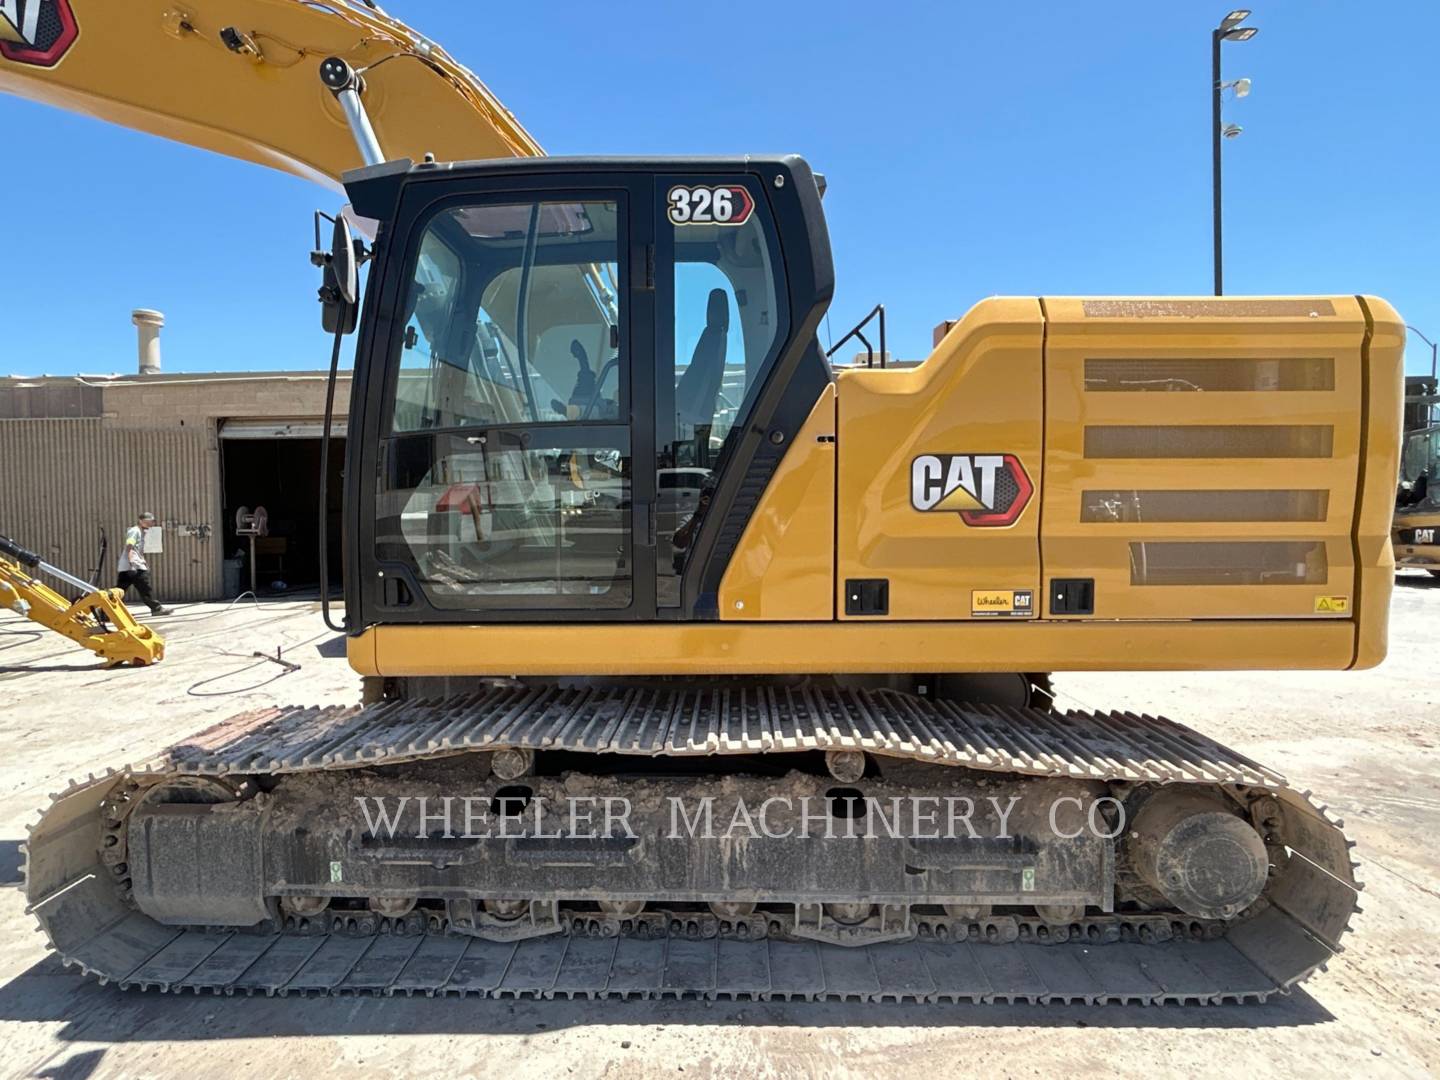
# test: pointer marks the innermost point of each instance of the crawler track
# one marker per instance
(80, 898)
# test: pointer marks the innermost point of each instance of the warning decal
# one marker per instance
(1332, 605)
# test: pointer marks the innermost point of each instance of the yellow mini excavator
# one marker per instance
(696, 665)
(98, 619)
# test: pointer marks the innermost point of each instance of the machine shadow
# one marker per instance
(31, 669)
(79, 1067)
(49, 993)
(1417, 581)
(12, 860)
(332, 648)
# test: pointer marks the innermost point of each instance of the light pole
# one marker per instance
(1427, 341)
(1228, 30)
(1431, 393)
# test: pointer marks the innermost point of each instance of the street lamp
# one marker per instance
(1427, 341)
(1430, 403)
(1228, 30)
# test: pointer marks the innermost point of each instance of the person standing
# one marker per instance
(133, 570)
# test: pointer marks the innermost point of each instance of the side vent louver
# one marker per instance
(1209, 441)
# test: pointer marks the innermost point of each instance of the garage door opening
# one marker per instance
(277, 466)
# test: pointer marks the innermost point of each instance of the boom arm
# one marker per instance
(241, 77)
(99, 620)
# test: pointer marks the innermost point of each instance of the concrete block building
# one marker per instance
(87, 453)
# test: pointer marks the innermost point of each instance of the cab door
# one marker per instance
(507, 461)
(722, 319)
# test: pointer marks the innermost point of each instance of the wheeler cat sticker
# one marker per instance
(37, 32)
(1002, 604)
(725, 204)
(986, 490)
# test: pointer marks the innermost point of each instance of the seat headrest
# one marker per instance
(717, 310)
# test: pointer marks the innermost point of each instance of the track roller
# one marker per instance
(304, 907)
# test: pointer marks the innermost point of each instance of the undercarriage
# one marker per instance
(757, 841)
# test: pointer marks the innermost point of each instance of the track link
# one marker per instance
(76, 879)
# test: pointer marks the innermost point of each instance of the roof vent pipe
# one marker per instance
(147, 333)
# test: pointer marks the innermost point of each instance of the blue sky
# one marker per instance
(971, 149)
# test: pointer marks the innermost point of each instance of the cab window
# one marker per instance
(512, 318)
(506, 480)
(728, 323)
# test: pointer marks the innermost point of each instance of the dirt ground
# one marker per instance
(1369, 743)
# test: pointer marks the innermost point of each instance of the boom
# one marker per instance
(241, 77)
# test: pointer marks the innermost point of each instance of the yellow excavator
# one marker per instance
(695, 664)
(1417, 499)
(97, 620)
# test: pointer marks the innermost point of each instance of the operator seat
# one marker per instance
(699, 387)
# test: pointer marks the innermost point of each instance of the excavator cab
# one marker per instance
(1417, 501)
(1420, 471)
(547, 345)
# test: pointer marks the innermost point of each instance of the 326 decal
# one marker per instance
(723, 204)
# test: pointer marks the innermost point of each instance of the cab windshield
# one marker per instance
(1420, 470)
(512, 319)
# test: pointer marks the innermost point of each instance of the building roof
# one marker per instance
(132, 378)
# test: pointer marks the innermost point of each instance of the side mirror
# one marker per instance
(340, 289)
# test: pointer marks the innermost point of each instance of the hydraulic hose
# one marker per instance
(340, 627)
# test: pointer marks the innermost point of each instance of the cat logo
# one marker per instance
(37, 32)
(986, 490)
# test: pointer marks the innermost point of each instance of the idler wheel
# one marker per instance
(1207, 861)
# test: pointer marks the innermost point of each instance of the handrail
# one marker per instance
(856, 332)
